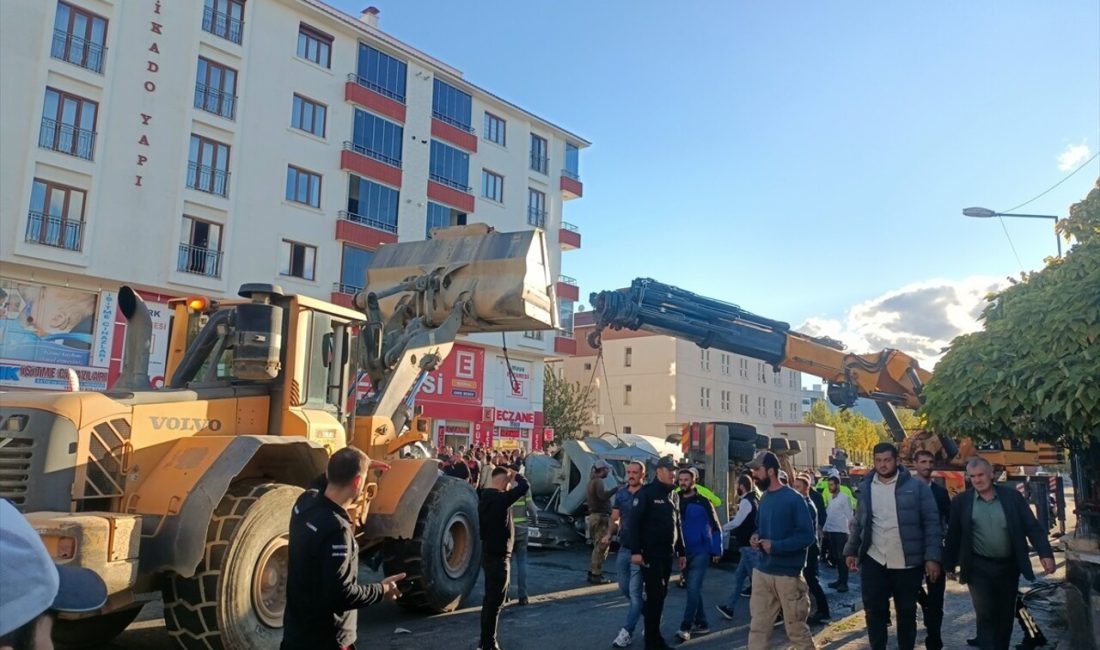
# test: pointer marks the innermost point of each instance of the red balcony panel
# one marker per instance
(454, 135)
(342, 299)
(369, 167)
(571, 188)
(569, 239)
(360, 235)
(380, 104)
(462, 200)
(565, 345)
(568, 291)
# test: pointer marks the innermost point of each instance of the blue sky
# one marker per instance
(797, 158)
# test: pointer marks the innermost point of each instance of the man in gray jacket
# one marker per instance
(896, 539)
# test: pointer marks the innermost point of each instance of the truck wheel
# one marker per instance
(442, 560)
(742, 451)
(237, 596)
(762, 441)
(94, 632)
(742, 432)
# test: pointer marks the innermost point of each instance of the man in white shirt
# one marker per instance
(838, 520)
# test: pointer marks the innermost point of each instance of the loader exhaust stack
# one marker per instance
(138, 342)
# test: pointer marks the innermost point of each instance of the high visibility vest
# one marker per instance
(707, 493)
(519, 510)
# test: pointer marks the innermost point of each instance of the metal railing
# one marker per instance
(346, 289)
(77, 51)
(58, 232)
(200, 261)
(367, 221)
(449, 183)
(452, 121)
(66, 138)
(370, 153)
(568, 173)
(205, 178)
(216, 101)
(222, 24)
(536, 217)
(565, 225)
(539, 163)
(565, 279)
(370, 85)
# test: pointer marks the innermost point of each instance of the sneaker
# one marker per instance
(623, 640)
(522, 601)
(726, 612)
(833, 585)
(597, 579)
(683, 635)
(818, 619)
(700, 629)
(747, 592)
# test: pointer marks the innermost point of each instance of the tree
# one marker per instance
(1033, 372)
(854, 432)
(566, 406)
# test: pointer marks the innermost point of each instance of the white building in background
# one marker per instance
(190, 147)
(811, 396)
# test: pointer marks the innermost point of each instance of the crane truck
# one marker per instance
(184, 493)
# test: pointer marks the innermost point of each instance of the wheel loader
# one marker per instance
(184, 493)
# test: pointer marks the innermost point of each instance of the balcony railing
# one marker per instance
(539, 163)
(200, 261)
(565, 279)
(452, 121)
(370, 153)
(565, 225)
(370, 85)
(77, 51)
(536, 217)
(66, 138)
(449, 183)
(216, 101)
(367, 221)
(207, 179)
(569, 173)
(346, 289)
(222, 24)
(58, 232)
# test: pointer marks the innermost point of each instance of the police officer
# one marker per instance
(323, 593)
(655, 538)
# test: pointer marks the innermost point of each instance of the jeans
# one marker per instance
(835, 543)
(879, 584)
(496, 588)
(630, 586)
(519, 558)
(931, 605)
(750, 557)
(993, 585)
(655, 578)
(694, 612)
(814, 585)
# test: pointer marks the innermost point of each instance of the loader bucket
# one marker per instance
(503, 274)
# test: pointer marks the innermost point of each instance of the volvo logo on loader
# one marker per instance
(184, 424)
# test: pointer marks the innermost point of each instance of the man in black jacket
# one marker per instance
(655, 537)
(930, 597)
(494, 511)
(322, 590)
(987, 535)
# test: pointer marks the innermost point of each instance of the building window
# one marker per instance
(441, 216)
(216, 89)
(792, 376)
(56, 216)
(372, 204)
(725, 395)
(208, 166)
(353, 268)
(381, 73)
(587, 366)
(626, 429)
(704, 398)
(626, 395)
(200, 249)
(309, 116)
(704, 360)
(762, 406)
(449, 166)
(565, 316)
(224, 18)
(725, 361)
(377, 138)
(535, 335)
(79, 37)
(778, 409)
(68, 124)
(572, 162)
(303, 186)
(297, 260)
(314, 45)
(760, 374)
(495, 129)
(451, 105)
(743, 369)
(536, 208)
(744, 402)
(776, 378)
(795, 410)
(492, 186)
(627, 357)
(540, 161)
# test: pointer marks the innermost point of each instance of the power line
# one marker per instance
(1010, 244)
(1068, 176)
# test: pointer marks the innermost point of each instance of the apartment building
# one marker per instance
(190, 147)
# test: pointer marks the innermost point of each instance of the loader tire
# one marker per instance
(741, 432)
(742, 451)
(94, 632)
(236, 599)
(762, 441)
(442, 560)
(780, 445)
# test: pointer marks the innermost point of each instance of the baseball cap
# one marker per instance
(600, 464)
(32, 583)
(765, 459)
(666, 462)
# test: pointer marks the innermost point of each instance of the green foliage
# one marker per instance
(566, 406)
(854, 432)
(1034, 371)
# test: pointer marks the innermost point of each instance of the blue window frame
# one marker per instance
(378, 138)
(572, 161)
(441, 216)
(449, 166)
(353, 267)
(372, 204)
(452, 106)
(381, 73)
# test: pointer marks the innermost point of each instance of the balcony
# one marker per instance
(369, 163)
(570, 184)
(344, 294)
(67, 139)
(199, 260)
(77, 51)
(569, 237)
(222, 24)
(567, 288)
(565, 344)
(450, 192)
(55, 231)
(364, 231)
(362, 91)
(216, 101)
(536, 217)
(541, 164)
(448, 130)
(205, 178)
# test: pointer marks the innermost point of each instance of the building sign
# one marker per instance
(458, 380)
(515, 419)
(483, 434)
(520, 379)
(15, 374)
(49, 325)
(547, 434)
(105, 329)
(508, 433)
(152, 67)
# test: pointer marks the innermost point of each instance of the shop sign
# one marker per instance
(520, 379)
(15, 374)
(548, 433)
(458, 380)
(483, 434)
(515, 419)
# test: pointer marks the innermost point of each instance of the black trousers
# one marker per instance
(879, 585)
(655, 575)
(930, 598)
(993, 585)
(835, 543)
(809, 572)
(496, 569)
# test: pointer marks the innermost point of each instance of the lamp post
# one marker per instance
(986, 213)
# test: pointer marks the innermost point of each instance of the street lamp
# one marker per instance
(986, 213)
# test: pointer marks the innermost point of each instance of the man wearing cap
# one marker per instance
(33, 588)
(785, 530)
(599, 519)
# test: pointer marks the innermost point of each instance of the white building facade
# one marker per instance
(190, 147)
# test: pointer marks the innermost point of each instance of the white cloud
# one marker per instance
(1072, 156)
(919, 319)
